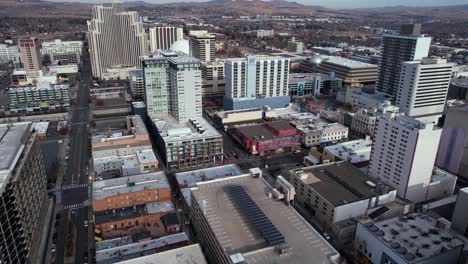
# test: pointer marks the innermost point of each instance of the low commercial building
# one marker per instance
(130, 191)
(338, 191)
(313, 84)
(414, 238)
(131, 250)
(135, 134)
(141, 161)
(267, 138)
(237, 223)
(320, 133)
(23, 195)
(135, 219)
(187, 145)
(189, 254)
(63, 50)
(356, 152)
(123, 153)
(295, 46)
(40, 97)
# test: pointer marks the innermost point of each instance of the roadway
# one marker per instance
(74, 191)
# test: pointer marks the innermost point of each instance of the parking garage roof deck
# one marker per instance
(236, 234)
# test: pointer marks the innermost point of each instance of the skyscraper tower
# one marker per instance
(173, 86)
(423, 88)
(23, 194)
(161, 38)
(116, 38)
(30, 54)
(404, 153)
(410, 45)
(202, 45)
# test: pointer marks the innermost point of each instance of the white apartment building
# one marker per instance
(116, 38)
(403, 154)
(395, 50)
(59, 50)
(9, 53)
(423, 88)
(161, 38)
(202, 45)
(173, 86)
(256, 81)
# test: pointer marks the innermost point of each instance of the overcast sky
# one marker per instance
(328, 3)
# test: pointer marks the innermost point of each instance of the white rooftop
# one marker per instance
(190, 178)
(148, 181)
(415, 237)
(11, 146)
(172, 131)
(126, 252)
(191, 254)
(347, 62)
(352, 151)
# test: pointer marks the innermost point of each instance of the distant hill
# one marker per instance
(403, 7)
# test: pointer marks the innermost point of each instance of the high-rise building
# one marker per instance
(453, 150)
(30, 54)
(173, 86)
(161, 38)
(256, 81)
(23, 194)
(137, 84)
(423, 88)
(213, 81)
(202, 45)
(403, 154)
(116, 38)
(395, 50)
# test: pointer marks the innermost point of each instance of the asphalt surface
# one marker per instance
(74, 193)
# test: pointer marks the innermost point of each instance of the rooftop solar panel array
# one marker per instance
(255, 215)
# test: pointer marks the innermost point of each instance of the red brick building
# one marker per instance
(267, 138)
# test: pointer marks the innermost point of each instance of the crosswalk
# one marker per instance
(72, 206)
(76, 205)
(73, 186)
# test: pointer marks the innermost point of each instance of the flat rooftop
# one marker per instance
(339, 183)
(102, 217)
(415, 237)
(112, 187)
(352, 64)
(138, 249)
(12, 143)
(185, 255)
(170, 130)
(236, 234)
(262, 132)
(352, 151)
(190, 178)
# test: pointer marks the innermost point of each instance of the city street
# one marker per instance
(74, 191)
